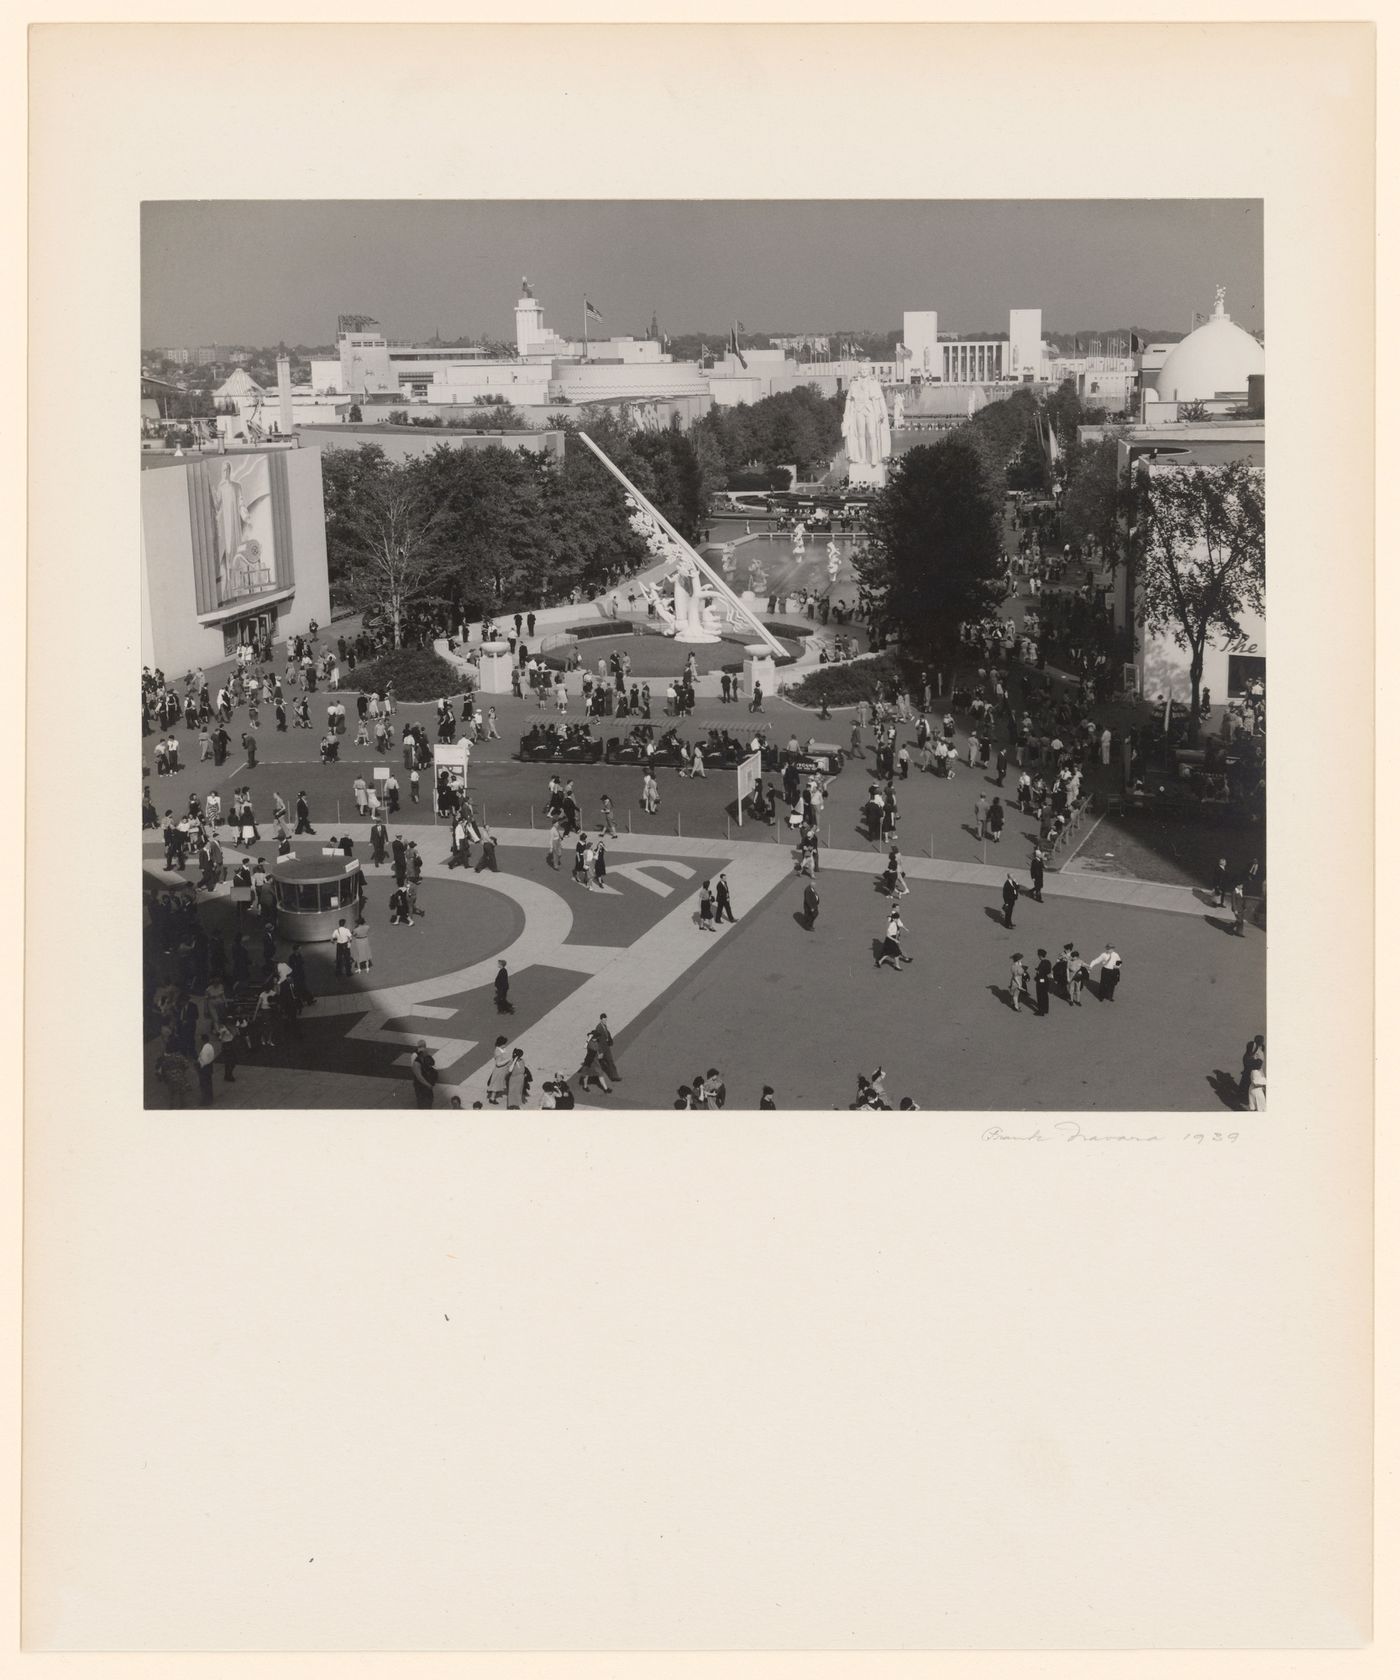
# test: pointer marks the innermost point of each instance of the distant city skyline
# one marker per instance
(256, 273)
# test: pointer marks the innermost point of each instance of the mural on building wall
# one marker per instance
(242, 508)
(241, 540)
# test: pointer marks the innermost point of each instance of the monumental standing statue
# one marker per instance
(865, 425)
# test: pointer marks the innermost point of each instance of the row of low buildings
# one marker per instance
(370, 379)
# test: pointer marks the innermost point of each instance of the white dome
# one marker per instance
(1218, 356)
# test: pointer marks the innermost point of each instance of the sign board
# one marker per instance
(823, 759)
(381, 772)
(748, 772)
(453, 758)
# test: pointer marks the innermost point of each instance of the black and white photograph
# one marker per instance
(576, 671)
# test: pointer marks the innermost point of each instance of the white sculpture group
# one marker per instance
(693, 612)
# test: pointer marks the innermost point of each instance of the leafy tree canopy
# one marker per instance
(932, 556)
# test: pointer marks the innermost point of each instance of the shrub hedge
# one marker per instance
(847, 683)
(416, 673)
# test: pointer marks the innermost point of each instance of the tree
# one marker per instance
(1095, 505)
(494, 525)
(345, 476)
(932, 558)
(393, 537)
(1200, 558)
(709, 459)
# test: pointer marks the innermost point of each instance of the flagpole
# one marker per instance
(585, 329)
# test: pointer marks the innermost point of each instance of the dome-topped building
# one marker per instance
(1217, 357)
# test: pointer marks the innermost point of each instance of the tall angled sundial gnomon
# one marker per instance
(691, 612)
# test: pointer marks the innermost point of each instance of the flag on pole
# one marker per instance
(734, 344)
(590, 313)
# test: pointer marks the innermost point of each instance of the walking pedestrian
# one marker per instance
(496, 1079)
(1010, 892)
(1038, 875)
(1020, 980)
(502, 988)
(707, 909)
(1110, 965)
(891, 951)
(723, 909)
(341, 939)
(811, 904)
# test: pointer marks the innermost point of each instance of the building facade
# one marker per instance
(233, 549)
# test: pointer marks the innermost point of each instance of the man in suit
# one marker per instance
(723, 910)
(1037, 875)
(811, 904)
(1010, 892)
(400, 855)
(303, 815)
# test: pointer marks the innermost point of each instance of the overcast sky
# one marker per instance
(256, 273)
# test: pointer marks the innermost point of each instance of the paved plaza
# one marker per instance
(764, 1000)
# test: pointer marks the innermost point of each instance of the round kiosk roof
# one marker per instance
(313, 868)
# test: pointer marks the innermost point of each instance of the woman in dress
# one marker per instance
(361, 953)
(518, 1078)
(496, 1079)
(891, 951)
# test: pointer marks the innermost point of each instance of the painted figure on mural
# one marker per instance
(240, 568)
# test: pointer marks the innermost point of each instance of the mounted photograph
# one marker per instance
(580, 669)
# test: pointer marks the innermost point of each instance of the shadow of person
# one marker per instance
(995, 914)
(1003, 995)
(1203, 895)
(968, 828)
(877, 946)
(1226, 924)
(800, 917)
(1226, 1087)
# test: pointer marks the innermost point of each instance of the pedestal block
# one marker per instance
(759, 668)
(494, 667)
